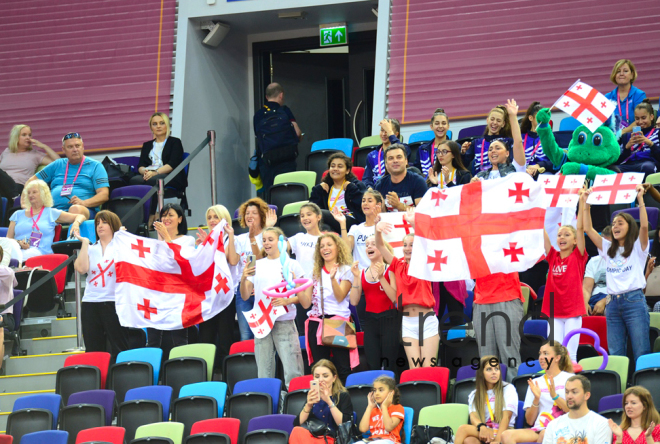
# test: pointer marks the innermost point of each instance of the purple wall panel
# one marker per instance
(469, 55)
(91, 67)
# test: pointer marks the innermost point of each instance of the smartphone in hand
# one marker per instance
(637, 131)
(314, 385)
(251, 260)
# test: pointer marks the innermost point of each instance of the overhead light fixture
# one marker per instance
(295, 15)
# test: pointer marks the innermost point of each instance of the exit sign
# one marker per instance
(333, 34)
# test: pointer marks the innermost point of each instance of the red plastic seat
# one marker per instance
(358, 171)
(300, 383)
(50, 262)
(359, 338)
(597, 324)
(8, 439)
(439, 375)
(95, 359)
(228, 426)
(114, 435)
(242, 347)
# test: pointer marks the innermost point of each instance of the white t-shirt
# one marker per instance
(156, 154)
(597, 270)
(268, 272)
(340, 196)
(546, 403)
(243, 249)
(303, 245)
(625, 273)
(510, 403)
(360, 234)
(330, 304)
(590, 429)
(101, 277)
(495, 174)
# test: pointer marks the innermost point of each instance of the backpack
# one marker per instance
(425, 435)
(277, 139)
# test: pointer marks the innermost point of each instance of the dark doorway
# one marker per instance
(323, 89)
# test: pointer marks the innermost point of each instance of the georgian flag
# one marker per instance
(474, 230)
(586, 104)
(400, 227)
(615, 188)
(561, 191)
(167, 287)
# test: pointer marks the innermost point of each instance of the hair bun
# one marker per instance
(439, 110)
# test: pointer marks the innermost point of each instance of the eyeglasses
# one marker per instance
(71, 136)
(443, 152)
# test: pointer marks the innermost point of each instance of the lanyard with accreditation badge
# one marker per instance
(35, 235)
(68, 189)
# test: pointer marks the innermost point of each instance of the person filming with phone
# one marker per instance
(328, 405)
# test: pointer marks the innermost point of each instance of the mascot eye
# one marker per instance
(597, 139)
(582, 137)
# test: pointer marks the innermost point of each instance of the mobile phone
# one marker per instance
(637, 131)
(314, 384)
(252, 260)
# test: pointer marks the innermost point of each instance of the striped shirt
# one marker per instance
(640, 152)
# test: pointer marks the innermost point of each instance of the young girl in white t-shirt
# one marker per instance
(546, 396)
(356, 238)
(283, 337)
(493, 405)
(626, 311)
(332, 282)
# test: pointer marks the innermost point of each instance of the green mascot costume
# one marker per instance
(588, 153)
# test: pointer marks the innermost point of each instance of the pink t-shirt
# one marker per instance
(21, 166)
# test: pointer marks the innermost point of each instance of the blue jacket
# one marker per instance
(372, 171)
(532, 141)
(635, 97)
(474, 153)
(640, 153)
(424, 161)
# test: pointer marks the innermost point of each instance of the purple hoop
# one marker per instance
(597, 346)
(271, 293)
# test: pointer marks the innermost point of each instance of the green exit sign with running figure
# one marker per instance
(333, 34)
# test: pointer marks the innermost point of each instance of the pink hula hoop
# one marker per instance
(271, 293)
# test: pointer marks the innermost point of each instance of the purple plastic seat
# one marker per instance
(131, 161)
(652, 213)
(610, 402)
(467, 372)
(275, 422)
(472, 131)
(138, 191)
(104, 398)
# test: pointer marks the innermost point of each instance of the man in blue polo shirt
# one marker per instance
(400, 188)
(78, 184)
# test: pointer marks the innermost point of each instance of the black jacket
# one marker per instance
(353, 197)
(172, 156)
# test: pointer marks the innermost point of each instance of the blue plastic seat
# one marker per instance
(569, 124)
(344, 145)
(48, 401)
(366, 378)
(520, 419)
(214, 389)
(47, 436)
(468, 372)
(537, 327)
(407, 424)
(270, 386)
(529, 368)
(147, 354)
(160, 393)
(456, 332)
(651, 360)
(87, 230)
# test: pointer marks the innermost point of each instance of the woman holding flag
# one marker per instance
(283, 338)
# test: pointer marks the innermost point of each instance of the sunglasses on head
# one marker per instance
(71, 136)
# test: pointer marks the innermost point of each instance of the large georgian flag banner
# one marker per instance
(167, 287)
(615, 188)
(586, 104)
(480, 228)
(400, 227)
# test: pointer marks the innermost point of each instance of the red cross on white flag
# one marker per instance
(479, 229)
(262, 316)
(167, 287)
(615, 188)
(561, 191)
(586, 104)
(400, 227)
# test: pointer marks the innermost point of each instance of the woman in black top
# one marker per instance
(448, 169)
(330, 404)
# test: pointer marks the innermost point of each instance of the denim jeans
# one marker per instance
(283, 339)
(628, 314)
(242, 306)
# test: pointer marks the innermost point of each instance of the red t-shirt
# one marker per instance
(641, 439)
(497, 287)
(412, 290)
(377, 300)
(376, 423)
(565, 282)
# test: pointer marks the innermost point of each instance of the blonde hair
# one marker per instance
(276, 230)
(165, 118)
(619, 64)
(15, 132)
(385, 243)
(44, 193)
(650, 414)
(344, 256)
(220, 211)
(565, 364)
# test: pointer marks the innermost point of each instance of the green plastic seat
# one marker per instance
(442, 415)
(370, 141)
(306, 177)
(656, 345)
(653, 179)
(617, 364)
(203, 351)
(171, 430)
(655, 319)
(294, 208)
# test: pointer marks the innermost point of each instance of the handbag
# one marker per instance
(347, 433)
(337, 332)
(424, 434)
(318, 428)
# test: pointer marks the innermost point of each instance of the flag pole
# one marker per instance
(211, 135)
(79, 337)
